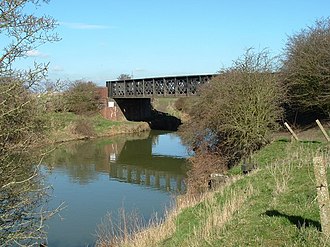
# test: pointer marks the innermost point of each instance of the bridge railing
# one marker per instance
(157, 87)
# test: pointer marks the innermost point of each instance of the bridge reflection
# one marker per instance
(147, 177)
(136, 164)
(129, 159)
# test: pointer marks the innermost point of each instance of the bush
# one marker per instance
(201, 166)
(20, 121)
(238, 109)
(82, 98)
(83, 127)
(306, 70)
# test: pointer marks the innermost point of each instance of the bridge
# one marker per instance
(170, 86)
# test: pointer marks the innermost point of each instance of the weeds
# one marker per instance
(281, 173)
(201, 167)
(83, 127)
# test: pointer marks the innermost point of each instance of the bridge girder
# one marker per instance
(171, 86)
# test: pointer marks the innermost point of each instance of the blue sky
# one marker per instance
(102, 39)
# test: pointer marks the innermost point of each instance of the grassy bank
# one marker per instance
(168, 105)
(68, 126)
(275, 205)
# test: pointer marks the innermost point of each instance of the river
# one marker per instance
(138, 172)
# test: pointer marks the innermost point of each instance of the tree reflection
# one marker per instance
(127, 160)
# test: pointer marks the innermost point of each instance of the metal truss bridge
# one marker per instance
(171, 86)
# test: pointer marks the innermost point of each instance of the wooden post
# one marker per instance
(322, 193)
(323, 130)
(291, 131)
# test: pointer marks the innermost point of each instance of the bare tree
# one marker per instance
(306, 69)
(238, 109)
(21, 191)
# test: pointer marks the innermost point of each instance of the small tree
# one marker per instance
(124, 77)
(21, 190)
(82, 97)
(237, 110)
(306, 69)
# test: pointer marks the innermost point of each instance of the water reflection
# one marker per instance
(137, 172)
(127, 159)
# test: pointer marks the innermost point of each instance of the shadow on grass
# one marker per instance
(298, 221)
(301, 141)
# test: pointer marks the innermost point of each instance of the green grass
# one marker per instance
(272, 218)
(166, 105)
(60, 126)
(62, 119)
(101, 124)
(281, 211)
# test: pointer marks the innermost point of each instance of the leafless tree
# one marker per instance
(238, 109)
(306, 69)
(21, 190)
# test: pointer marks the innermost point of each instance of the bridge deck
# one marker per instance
(174, 86)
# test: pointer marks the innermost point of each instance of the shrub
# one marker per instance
(306, 69)
(20, 121)
(201, 166)
(82, 97)
(83, 127)
(238, 109)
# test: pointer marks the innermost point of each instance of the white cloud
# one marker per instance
(35, 53)
(83, 26)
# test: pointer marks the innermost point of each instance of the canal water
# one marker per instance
(140, 172)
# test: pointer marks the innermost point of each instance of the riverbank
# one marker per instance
(275, 205)
(66, 126)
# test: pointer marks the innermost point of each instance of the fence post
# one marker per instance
(323, 130)
(322, 193)
(291, 131)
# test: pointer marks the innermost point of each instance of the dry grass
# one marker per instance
(202, 165)
(130, 230)
(218, 215)
(281, 173)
